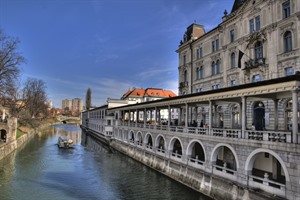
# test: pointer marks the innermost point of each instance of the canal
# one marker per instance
(39, 170)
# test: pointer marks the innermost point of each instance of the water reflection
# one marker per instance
(40, 170)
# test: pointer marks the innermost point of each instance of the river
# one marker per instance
(39, 170)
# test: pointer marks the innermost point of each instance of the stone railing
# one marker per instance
(267, 185)
(272, 136)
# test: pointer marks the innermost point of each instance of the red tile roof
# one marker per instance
(149, 92)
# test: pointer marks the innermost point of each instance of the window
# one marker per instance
(233, 82)
(256, 26)
(198, 89)
(213, 68)
(286, 9)
(251, 22)
(215, 45)
(199, 73)
(233, 64)
(257, 23)
(199, 53)
(184, 59)
(218, 67)
(287, 38)
(288, 71)
(185, 76)
(258, 51)
(256, 78)
(232, 36)
(216, 86)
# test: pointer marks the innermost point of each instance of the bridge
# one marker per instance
(68, 119)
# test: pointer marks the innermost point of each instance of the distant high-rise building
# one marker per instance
(77, 105)
(66, 104)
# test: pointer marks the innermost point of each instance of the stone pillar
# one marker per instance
(210, 106)
(275, 114)
(169, 116)
(186, 121)
(244, 116)
(179, 116)
(12, 123)
(295, 115)
(145, 117)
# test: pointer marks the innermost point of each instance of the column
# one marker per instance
(186, 115)
(295, 116)
(275, 114)
(3, 115)
(169, 116)
(145, 117)
(244, 116)
(179, 116)
(210, 117)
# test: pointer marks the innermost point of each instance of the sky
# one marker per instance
(108, 46)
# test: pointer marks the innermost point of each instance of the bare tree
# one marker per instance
(88, 99)
(35, 97)
(10, 59)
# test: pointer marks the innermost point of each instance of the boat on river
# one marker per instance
(64, 142)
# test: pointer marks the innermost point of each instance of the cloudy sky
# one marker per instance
(106, 45)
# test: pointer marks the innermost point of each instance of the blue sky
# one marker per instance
(106, 45)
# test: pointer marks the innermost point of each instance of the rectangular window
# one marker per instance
(200, 52)
(232, 36)
(251, 23)
(233, 82)
(184, 59)
(289, 71)
(214, 87)
(286, 9)
(257, 23)
(217, 44)
(213, 46)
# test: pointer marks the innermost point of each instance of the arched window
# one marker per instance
(201, 72)
(233, 65)
(218, 67)
(213, 68)
(258, 51)
(287, 40)
(185, 76)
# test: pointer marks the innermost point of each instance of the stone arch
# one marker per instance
(148, 140)
(131, 136)
(160, 143)
(251, 158)
(190, 147)
(3, 135)
(258, 115)
(234, 109)
(216, 149)
(175, 145)
(139, 138)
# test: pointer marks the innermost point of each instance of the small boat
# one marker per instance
(64, 143)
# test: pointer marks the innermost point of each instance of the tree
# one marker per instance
(10, 59)
(35, 97)
(88, 99)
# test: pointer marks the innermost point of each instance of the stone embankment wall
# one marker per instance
(208, 184)
(9, 147)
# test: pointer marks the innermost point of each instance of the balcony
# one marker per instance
(251, 64)
(183, 84)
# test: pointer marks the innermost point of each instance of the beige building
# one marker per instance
(66, 104)
(264, 34)
(77, 105)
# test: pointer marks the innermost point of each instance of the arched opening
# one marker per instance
(259, 116)
(267, 166)
(235, 109)
(176, 148)
(225, 159)
(139, 139)
(3, 135)
(196, 153)
(267, 171)
(131, 137)
(289, 114)
(160, 144)
(149, 142)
